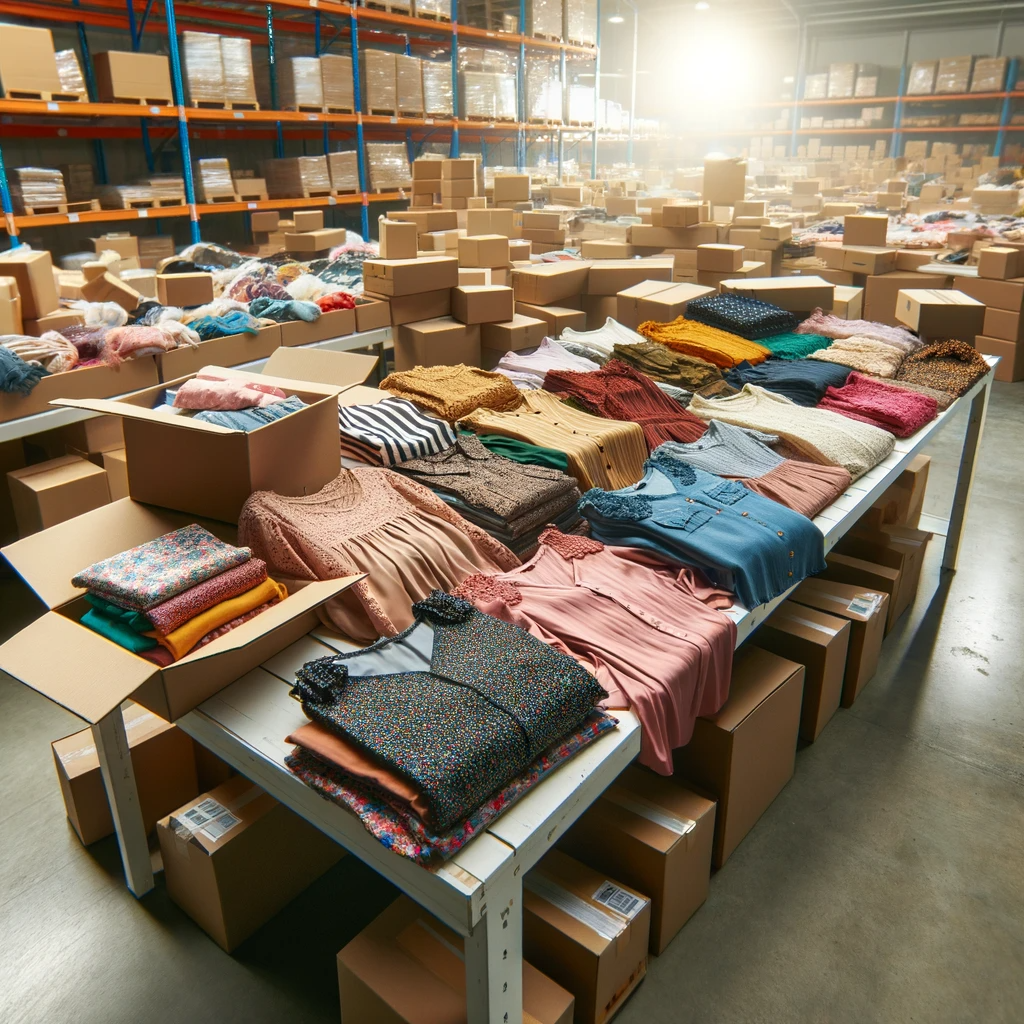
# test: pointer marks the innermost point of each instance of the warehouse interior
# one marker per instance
(509, 509)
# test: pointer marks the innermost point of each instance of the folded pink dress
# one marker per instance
(652, 634)
(208, 392)
(169, 615)
(882, 405)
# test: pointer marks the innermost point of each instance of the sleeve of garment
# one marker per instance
(279, 547)
(422, 497)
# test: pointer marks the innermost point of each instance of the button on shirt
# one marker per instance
(652, 635)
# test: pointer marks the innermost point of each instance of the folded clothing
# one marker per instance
(950, 366)
(392, 431)
(233, 624)
(51, 350)
(114, 628)
(146, 575)
(663, 365)
(793, 345)
(802, 381)
(740, 314)
(209, 391)
(135, 341)
(284, 310)
(185, 637)
(835, 327)
(251, 419)
(169, 615)
(522, 451)
(900, 412)
(136, 621)
(711, 344)
(234, 321)
(878, 358)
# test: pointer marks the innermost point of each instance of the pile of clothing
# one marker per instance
(173, 595)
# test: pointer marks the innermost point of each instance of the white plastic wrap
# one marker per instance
(544, 18)
(581, 104)
(388, 166)
(301, 84)
(543, 90)
(378, 75)
(440, 8)
(297, 177)
(344, 170)
(841, 79)
(33, 187)
(336, 83)
(922, 77)
(954, 75)
(409, 85)
(236, 60)
(70, 73)
(214, 181)
(989, 74)
(203, 67)
(581, 21)
(437, 88)
(816, 86)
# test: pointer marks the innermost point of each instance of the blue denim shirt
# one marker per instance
(742, 541)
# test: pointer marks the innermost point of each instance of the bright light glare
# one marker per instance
(718, 74)
(616, 19)
(702, 6)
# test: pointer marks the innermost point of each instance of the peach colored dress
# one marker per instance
(372, 521)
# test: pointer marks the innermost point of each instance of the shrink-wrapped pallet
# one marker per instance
(581, 21)
(989, 74)
(236, 59)
(70, 73)
(214, 181)
(543, 90)
(336, 83)
(380, 88)
(441, 9)
(437, 88)
(35, 187)
(544, 18)
(388, 166)
(409, 85)
(344, 171)
(79, 181)
(297, 177)
(922, 77)
(203, 68)
(301, 84)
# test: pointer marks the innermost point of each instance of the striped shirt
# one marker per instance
(392, 431)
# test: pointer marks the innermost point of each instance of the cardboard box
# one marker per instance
(372, 314)
(123, 76)
(483, 251)
(999, 263)
(606, 249)
(338, 323)
(865, 611)
(426, 170)
(596, 953)
(10, 307)
(549, 283)
(428, 220)
(184, 289)
(474, 275)
(900, 504)
(55, 321)
(482, 303)
(397, 239)
(52, 492)
(1002, 324)
(406, 309)
(106, 287)
(264, 220)
(183, 463)
(542, 220)
(940, 314)
(621, 206)
(724, 180)
(557, 318)
(513, 335)
(314, 241)
(408, 277)
(656, 836)
(628, 301)
(231, 350)
(598, 309)
(442, 341)
(308, 220)
(457, 188)
(90, 675)
(680, 215)
(115, 463)
(510, 188)
(881, 290)
(777, 232)
(1011, 355)
(650, 237)
(719, 259)
(665, 305)
(464, 167)
(163, 761)
(848, 302)
(125, 245)
(33, 271)
(1000, 294)
(714, 278)
(745, 754)
(797, 294)
(28, 65)
(819, 642)
(405, 967)
(868, 261)
(235, 856)
(609, 277)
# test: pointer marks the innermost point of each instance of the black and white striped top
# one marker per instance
(392, 431)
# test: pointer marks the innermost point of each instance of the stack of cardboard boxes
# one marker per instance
(1000, 286)
(310, 239)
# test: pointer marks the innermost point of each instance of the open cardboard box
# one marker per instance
(182, 463)
(338, 323)
(233, 350)
(90, 675)
(89, 382)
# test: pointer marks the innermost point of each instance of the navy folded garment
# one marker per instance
(739, 314)
(802, 381)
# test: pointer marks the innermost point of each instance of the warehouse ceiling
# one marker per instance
(823, 13)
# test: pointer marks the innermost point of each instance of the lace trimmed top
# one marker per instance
(458, 704)
(652, 634)
(372, 521)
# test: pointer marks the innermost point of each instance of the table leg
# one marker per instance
(965, 476)
(494, 955)
(382, 361)
(119, 779)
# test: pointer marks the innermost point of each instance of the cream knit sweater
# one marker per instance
(823, 436)
(877, 358)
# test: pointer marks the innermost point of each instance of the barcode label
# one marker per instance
(143, 213)
(864, 604)
(208, 818)
(72, 218)
(220, 825)
(618, 899)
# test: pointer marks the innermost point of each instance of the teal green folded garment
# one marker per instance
(794, 346)
(522, 451)
(135, 621)
(114, 629)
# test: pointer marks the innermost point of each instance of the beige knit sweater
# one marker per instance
(864, 354)
(823, 436)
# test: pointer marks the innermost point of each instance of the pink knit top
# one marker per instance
(882, 405)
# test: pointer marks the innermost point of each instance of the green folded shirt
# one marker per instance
(116, 630)
(136, 621)
(522, 451)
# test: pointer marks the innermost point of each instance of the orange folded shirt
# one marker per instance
(720, 347)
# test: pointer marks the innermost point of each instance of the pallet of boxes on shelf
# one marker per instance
(344, 172)
(437, 88)
(387, 165)
(378, 77)
(488, 82)
(214, 183)
(435, 10)
(543, 89)
(298, 177)
(300, 80)
(218, 71)
(29, 68)
(408, 85)
(581, 22)
(336, 83)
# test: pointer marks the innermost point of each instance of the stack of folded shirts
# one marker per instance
(514, 502)
(391, 432)
(232, 402)
(170, 596)
(742, 315)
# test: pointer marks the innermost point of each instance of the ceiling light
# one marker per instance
(702, 6)
(616, 19)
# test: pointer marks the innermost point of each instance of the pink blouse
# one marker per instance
(652, 634)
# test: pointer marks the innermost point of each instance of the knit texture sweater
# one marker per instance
(660, 363)
(865, 354)
(882, 405)
(708, 343)
(950, 366)
(817, 434)
(453, 391)
(835, 327)
(803, 381)
(794, 346)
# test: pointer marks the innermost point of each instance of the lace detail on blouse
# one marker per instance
(570, 547)
(619, 506)
(679, 471)
(489, 588)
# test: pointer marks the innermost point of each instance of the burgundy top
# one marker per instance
(651, 633)
(619, 392)
(882, 405)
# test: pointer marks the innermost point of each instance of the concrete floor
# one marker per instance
(885, 884)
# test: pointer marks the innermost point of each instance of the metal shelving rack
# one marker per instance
(79, 120)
